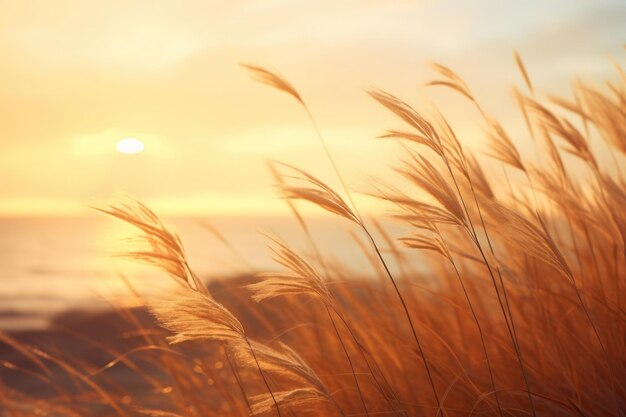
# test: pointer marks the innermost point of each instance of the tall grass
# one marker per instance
(519, 313)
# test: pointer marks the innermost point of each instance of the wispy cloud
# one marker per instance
(74, 70)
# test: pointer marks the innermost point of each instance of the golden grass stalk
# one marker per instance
(505, 333)
(522, 70)
(272, 79)
(191, 313)
(315, 191)
(320, 194)
(301, 278)
(275, 80)
(298, 397)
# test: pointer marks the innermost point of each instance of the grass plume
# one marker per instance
(507, 300)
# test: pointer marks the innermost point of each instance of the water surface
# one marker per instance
(51, 264)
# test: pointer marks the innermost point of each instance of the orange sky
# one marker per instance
(79, 76)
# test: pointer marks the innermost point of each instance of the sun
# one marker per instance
(129, 146)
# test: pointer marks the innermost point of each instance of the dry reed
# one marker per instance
(516, 307)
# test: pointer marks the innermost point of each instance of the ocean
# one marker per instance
(49, 265)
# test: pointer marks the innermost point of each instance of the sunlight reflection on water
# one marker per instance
(51, 264)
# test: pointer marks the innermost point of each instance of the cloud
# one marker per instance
(78, 75)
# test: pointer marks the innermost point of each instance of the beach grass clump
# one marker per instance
(516, 309)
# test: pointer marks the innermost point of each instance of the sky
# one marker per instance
(78, 76)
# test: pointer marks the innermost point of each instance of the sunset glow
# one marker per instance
(272, 208)
(77, 79)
